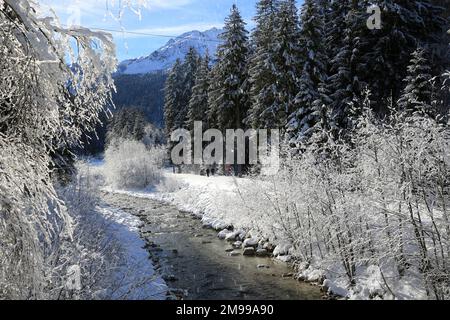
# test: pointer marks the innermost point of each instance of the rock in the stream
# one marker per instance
(262, 253)
(229, 250)
(252, 242)
(235, 235)
(262, 266)
(249, 251)
(223, 234)
(237, 245)
(220, 225)
(235, 253)
(282, 249)
(284, 258)
(206, 226)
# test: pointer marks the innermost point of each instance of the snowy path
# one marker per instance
(194, 262)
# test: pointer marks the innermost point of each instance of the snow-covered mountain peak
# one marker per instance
(165, 57)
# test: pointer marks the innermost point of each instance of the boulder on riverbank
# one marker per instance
(235, 235)
(249, 251)
(251, 243)
(262, 253)
(283, 249)
(237, 245)
(223, 234)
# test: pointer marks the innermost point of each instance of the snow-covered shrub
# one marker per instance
(153, 136)
(110, 262)
(51, 92)
(92, 249)
(130, 164)
(378, 203)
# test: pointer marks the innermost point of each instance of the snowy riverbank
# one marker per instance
(134, 278)
(223, 203)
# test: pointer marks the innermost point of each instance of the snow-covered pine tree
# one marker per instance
(213, 97)
(139, 124)
(287, 57)
(444, 93)
(232, 73)
(172, 95)
(188, 75)
(344, 45)
(334, 18)
(405, 25)
(446, 75)
(312, 73)
(321, 112)
(129, 123)
(263, 111)
(418, 93)
(198, 105)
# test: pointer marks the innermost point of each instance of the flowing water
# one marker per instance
(196, 264)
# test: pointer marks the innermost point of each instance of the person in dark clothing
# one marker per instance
(213, 169)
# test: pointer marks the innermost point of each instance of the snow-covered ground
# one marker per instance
(216, 199)
(222, 202)
(135, 278)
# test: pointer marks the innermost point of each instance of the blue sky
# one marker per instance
(161, 17)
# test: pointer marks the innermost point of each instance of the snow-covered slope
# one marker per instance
(164, 58)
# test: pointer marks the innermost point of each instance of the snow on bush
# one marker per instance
(380, 203)
(130, 164)
(45, 106)
(54, 82)
(106, 247)
(371, 217)
(91, 249)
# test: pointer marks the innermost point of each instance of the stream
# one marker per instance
(196, 265)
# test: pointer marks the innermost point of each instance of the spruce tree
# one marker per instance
(198, 105)
(263, 92)
(188, 75)
(313, 72)
(345, 49)
(287, 61)
(214, 95)
(405, 25)
(232, 73)
(172, 94)
(139, 124)
(417, 96)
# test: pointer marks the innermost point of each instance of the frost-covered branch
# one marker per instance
(54, 83)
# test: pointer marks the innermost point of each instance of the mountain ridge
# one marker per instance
(176, 48)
